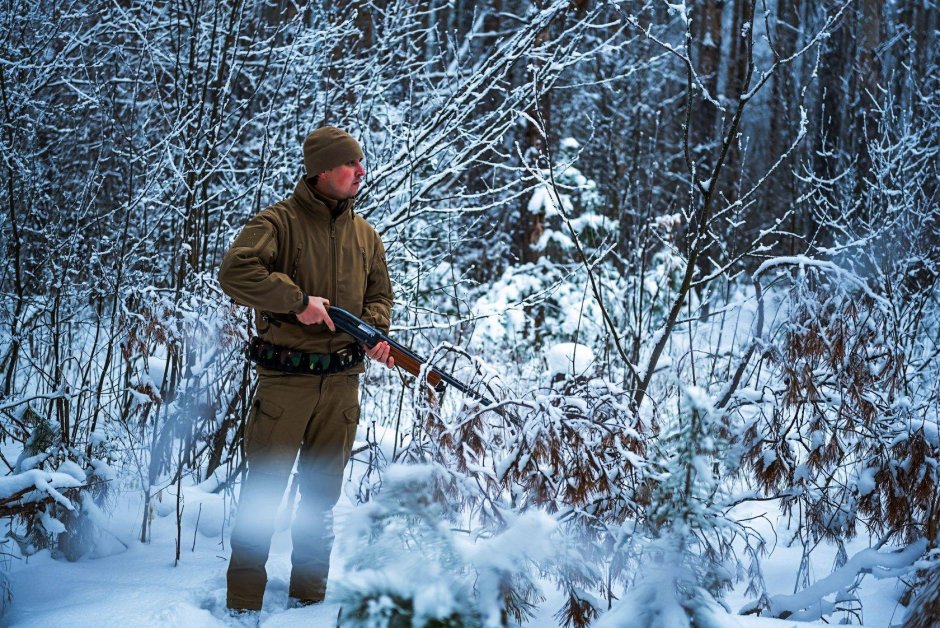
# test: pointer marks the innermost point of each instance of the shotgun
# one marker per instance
(405, 358)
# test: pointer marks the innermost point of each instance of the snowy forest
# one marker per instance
(688, 252)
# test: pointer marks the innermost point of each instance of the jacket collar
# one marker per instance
(319, 205)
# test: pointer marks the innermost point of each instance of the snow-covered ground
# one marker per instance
(134, 584)
(140, 586)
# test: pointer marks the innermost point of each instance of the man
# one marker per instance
(290, 263)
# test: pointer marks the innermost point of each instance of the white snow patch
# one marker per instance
(102, 470)
(866, 481)
(51, 524)
(69, 467)
(569, 357)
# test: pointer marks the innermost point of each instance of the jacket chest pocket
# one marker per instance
(353, 273)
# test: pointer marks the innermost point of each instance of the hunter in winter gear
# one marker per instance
(289, 263)
(308, 244)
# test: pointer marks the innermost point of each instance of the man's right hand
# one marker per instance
(315, 312)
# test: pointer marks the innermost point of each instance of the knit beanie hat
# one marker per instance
(328, 147)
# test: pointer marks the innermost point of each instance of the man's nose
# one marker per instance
(360, 170)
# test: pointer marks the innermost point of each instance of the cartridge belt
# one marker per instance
(288, 360)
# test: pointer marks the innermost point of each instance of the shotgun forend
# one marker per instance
(405, 358)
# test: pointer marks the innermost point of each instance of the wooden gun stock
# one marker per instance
(408, 362)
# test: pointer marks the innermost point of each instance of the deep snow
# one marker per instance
(140, 586)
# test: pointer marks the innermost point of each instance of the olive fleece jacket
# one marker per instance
(308, 245)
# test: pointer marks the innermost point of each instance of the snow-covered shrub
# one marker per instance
(187, 387)
(53, 494)
(535, 305)
(42, 497)
(681, 543)
(570, 206)
(411, 563)
(849, 399)
(924, 609)
(847, 435)
(665, 594)
(576, 453)
(687, 499)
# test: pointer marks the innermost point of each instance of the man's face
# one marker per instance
(342, 182)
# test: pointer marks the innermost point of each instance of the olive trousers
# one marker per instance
(317, 417)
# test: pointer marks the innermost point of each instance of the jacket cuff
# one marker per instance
(301, 304)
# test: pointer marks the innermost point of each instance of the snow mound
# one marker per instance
(569, 357)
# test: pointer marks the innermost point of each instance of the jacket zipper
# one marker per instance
(333, 260)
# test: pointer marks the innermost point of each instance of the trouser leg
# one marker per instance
(251, 538)
(280, 413)
(327, 444)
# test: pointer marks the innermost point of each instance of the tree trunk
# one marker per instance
(868, 75)
(834, 98)
(784, 120)
(704, 132)
(531, 221)
(707, 38)
(739, 52)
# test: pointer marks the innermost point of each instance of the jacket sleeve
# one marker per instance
(377, 304)
(247, 272)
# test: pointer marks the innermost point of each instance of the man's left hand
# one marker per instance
(380, 353)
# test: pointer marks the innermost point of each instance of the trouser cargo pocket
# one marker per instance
(262, 423)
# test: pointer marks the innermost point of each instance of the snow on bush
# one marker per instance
(409, 562)
(569, 358)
